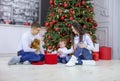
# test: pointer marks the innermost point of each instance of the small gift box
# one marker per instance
(95, 56)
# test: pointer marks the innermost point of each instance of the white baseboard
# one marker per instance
(7, 54)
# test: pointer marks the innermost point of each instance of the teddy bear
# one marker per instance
(35, 45)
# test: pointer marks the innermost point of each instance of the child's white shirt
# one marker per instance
(64, 50)
(26, 41)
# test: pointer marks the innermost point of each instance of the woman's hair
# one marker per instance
(78, 28)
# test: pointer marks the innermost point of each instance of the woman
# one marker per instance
(82, 47)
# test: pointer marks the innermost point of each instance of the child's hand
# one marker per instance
(60, 52)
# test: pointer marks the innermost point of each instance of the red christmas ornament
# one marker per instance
(91, 9)
(49, 37)
(90, 19)
(52, 5)
(57, 29)
(60, 11)
(69, 25)
(8, 22)
(46, 24)
(53, 21)
(92, 27)
(71, 9)
(83, 2)
(76, 5)
(71, 18)
(51, 1)
(84, 26)
(72, 12)
(62, 18)
(65, 5)
(27, 24)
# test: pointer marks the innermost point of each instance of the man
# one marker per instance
(26, 54)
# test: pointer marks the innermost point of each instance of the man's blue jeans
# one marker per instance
(30, 56)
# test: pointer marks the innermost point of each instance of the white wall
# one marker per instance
(106, 14)
(9, 37)
(116, 28)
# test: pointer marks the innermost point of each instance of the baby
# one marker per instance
(62, 52)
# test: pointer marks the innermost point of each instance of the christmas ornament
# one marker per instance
(76, 5)
(84, 26)
(71, 18)
(83, 2)
(69, 25)
(53, 21)
(46, 24)
(65, 5)
(51, 2)
(62, 18)
(49, 37)
(57, 29)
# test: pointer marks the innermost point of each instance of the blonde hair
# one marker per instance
(63, 40)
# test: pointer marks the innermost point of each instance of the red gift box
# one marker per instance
(38, 63)
(96, 56)
(51, 58)
(105, 53)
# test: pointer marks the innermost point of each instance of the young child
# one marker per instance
(63, 57)
(27, 54)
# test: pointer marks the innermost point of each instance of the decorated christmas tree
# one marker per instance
(61, 15)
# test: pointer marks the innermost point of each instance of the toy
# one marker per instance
(35, 44)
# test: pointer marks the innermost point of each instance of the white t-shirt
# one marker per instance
(26, 41)
(64, 50)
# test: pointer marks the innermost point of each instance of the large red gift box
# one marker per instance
(105, 53)
(51, 58)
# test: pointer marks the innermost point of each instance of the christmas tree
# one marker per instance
(60, 17)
